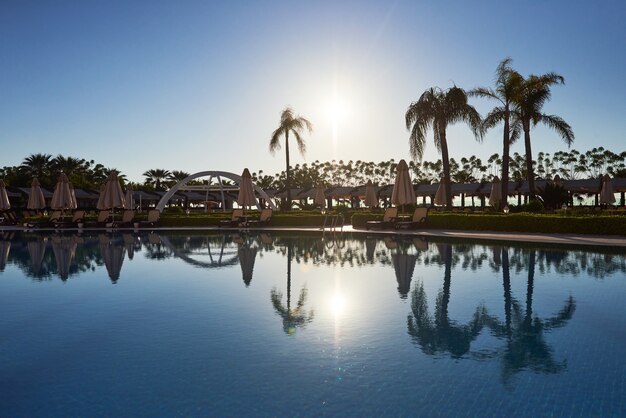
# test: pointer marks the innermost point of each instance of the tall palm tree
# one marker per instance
(534, 93)
(508, 85)
(156, 177)
(438, 109)
(294, 124)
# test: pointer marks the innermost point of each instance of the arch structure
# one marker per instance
(211, 174)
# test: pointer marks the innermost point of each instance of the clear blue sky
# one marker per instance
(199, 85)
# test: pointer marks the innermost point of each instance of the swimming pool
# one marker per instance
(275, 324)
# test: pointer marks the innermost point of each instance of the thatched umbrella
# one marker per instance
(36, 200)
(607, 194)
(246, 195)
(495, 197)
(440, 196)
(113, 196)
(403, 192)
(371, 200)
(62, 196)
(320, 197)
(4, 197)
(129, 201)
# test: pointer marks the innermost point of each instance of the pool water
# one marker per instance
(274, 324)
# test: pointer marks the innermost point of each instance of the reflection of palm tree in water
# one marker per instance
(292, 317)
(440, 334)
(526, 347)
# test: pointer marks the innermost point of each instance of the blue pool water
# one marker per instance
(196, 324)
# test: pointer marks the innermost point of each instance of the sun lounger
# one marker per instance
(264, 218)
(127, 219)
(389, 219)
(77, 217)
(55, 217)
(104, 217)
(236, 219)
(419, 218)
(153, 218)
(8, 217)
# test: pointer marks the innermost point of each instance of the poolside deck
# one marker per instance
(555, 239)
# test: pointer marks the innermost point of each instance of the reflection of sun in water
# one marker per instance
(337, 304)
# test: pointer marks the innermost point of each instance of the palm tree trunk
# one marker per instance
(289, 277)
(506, 283)
(446, 167)
(288, 182)
(530, 288)
(529, 161)
(505, 160)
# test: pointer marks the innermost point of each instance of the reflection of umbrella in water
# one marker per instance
(36, 251)
(246, 256)
(129, 243)
(113, 257)
(64, 249)
(370, 248)
(5, 247)
(35, 198)
(403, 266)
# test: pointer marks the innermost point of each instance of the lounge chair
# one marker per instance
(127, 219)
(236, 219)
(153, 218)
(104, 217)
(54, 218)
(264, 218)
(419, 218)
(389, 219)
(8, 217)
(77, 217)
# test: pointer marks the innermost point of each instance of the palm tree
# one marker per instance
(508, 84)
(295, 125)
(38, 165)
(438, 108)
(533, 94)
(156, 177)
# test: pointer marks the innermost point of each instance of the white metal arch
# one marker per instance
(219, 174)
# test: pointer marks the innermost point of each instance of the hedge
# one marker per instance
(519, 222)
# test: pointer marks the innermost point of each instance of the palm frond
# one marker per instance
(275, 140)
(561, 127)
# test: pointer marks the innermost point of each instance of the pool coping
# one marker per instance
(544, 238)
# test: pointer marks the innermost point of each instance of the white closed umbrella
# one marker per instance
(113, 196)
(496, 192)
(440, 196)
(403, 192)
(73, 202)
(100, 204)
(62, 196)
(4, 197)
(246, 195)
(320, 197)
(607, 194)
(370, 195)
(129, 201)
(35, 198)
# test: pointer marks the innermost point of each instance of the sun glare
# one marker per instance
(337, 304)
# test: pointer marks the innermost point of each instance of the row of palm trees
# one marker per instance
(519, 108)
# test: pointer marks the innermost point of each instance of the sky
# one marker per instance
(200, 85)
